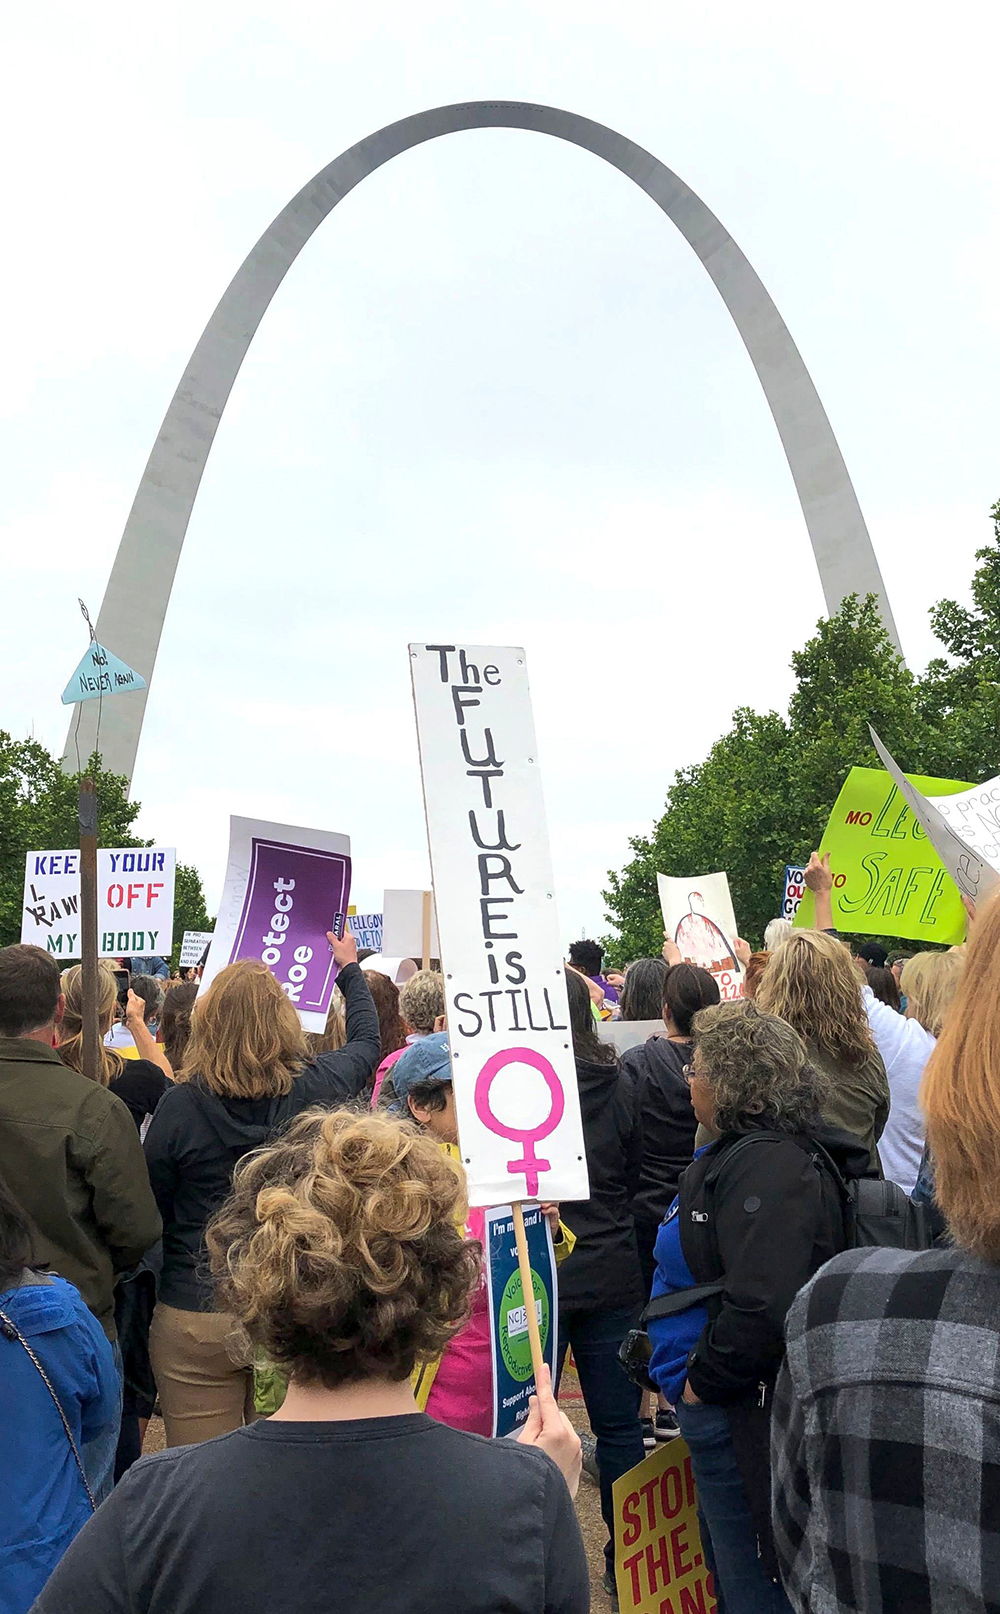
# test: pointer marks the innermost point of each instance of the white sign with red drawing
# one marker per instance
(516, 1097)
(698, 916)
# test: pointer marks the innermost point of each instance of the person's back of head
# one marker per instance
(757, 1068)
(686, 989)
(873, 953)
(775, 932)
(884, 986)
(341, 1251)
(70, 1033)
(929, 982)
(960, 1096)
(385, 996)
(587, 1045)
(642, 994)
(755, 966)
(586, 956)
(811, 982)
(246, 1038)
(29, 991)
(421, 1001)
(150, 989)
(175, 1021)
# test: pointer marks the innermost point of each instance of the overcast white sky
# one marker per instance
(497, 399)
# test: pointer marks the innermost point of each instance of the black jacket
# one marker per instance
(196, 1139)
(771, 1220)
(668, 1122)
(602, 1274)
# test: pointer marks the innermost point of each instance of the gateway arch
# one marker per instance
(150, 546)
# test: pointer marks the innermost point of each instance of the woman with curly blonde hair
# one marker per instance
(811, 983)
(339, 1256)
(246, 1073)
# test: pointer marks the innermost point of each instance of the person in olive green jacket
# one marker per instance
(69, 1150)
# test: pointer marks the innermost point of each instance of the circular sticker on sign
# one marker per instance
(515, 1346)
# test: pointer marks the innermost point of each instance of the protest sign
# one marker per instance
(888, 879)
(100, 673)
(659, 1558)
(285, 888)
(795, 890)
(698, 916)
(193, 946)
(970, 869)
(366, 928)
(975, 816)
(135, 901)
(403, 932)
(513, 1374)
(508, 1016)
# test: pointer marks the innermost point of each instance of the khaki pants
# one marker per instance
(205, 1386)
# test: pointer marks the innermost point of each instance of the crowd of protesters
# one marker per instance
(265, 1236)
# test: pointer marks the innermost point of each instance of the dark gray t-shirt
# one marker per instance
(402, 1515)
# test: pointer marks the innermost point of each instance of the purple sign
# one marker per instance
(294, 895)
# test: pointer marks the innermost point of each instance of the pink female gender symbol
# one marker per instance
(529, 1162)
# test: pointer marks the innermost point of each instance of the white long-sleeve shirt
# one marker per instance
(905, 1048)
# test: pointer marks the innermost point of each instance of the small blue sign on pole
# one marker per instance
(100, 673)
(513, 1376)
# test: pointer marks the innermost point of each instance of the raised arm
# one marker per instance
(819, 879)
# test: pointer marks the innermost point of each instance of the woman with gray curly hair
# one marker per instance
(758, 1211)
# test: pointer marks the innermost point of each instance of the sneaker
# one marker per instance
(648, 1433)
(667, 1427)
(610, 1588)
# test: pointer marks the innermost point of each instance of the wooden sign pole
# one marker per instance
(91, 1049)
(528, 1291)
(425, 932)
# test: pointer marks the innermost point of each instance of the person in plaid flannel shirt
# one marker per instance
(885, 1436)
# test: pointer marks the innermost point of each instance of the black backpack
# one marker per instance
(876, 1213)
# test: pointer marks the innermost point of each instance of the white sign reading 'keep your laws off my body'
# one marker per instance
(514, 1072)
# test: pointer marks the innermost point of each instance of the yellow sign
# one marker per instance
(659, 1561)
(888, 879)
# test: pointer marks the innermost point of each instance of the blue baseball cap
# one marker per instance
(425, 1060)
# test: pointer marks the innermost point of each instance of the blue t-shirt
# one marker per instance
(43, 1502)
(673, 1338)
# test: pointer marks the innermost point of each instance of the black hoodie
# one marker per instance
(602, 1274)
(764, 1218)
(196, 1139)
(668, 1122)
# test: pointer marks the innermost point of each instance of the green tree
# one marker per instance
(38, 812)
(190, 912)
(960, 692)
(763, 794)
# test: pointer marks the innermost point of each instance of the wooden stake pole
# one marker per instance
(528, 1290)
(91, 1049)
(425, 933)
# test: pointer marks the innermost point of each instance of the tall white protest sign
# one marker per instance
(967, 863)
(516, 1096)
(698, 916)
(135, 901)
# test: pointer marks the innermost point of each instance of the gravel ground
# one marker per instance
(588, 1501)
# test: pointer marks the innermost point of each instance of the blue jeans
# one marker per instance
(741, 1585)
(612, 1401)
(98, 1455)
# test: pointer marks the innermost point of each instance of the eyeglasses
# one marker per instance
(687, 1071)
